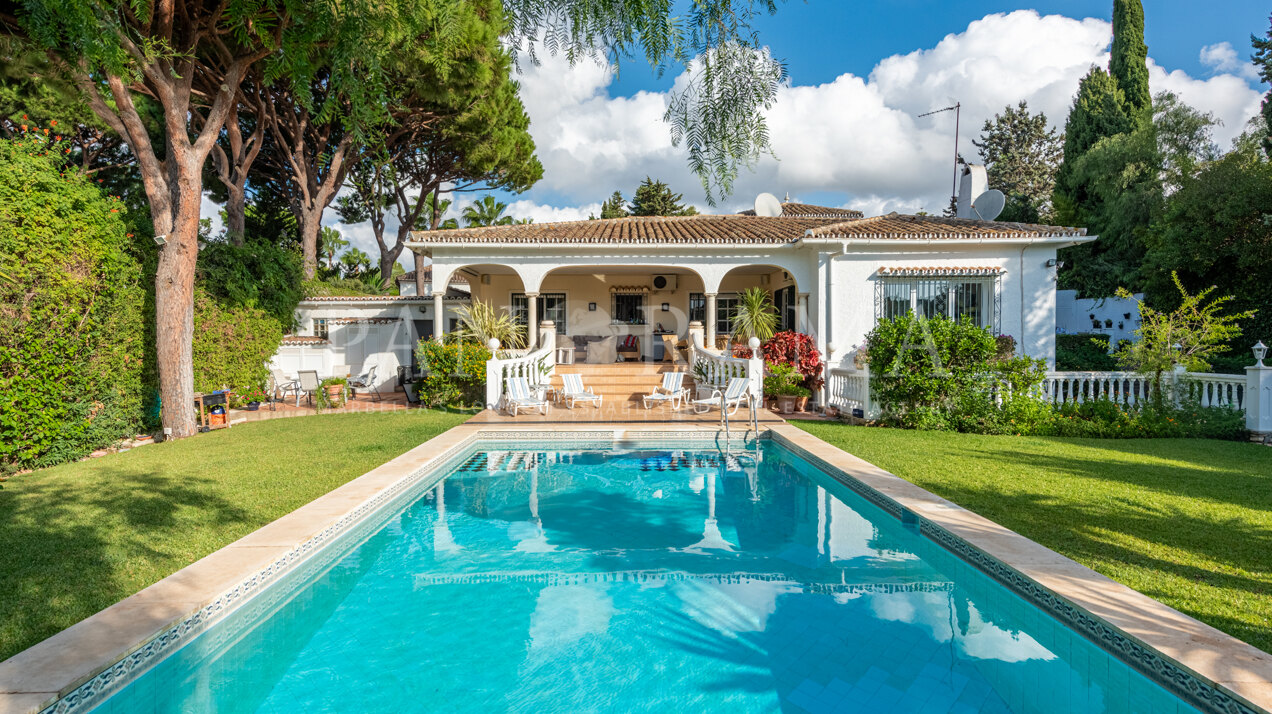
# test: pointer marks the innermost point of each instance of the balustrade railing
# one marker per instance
(1216, 390)
(711, 370)
(1127, 388)
(535, 366)
(849, 389)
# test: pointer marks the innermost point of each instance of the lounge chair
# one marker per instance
(731, 398)
(307, 384)
(671, 390)
(281, 386)
(517, 395)
(364, 381)
(572, 391)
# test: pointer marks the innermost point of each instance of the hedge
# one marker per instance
(232, 345)
(71, 310)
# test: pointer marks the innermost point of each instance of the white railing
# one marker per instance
(711, 370)
(536, 367)
(849, 389)
(1216, 390)
(1129, 388)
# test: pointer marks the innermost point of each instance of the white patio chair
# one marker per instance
(364, 381)
(281, 386)
(671, 390)
(731, 398)
(518, 395)
(572, 391)
(307, 384)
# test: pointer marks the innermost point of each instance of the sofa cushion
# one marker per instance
(564, 342)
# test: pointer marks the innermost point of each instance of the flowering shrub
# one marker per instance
(799, 351)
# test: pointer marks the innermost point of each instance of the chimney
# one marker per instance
(973, 183)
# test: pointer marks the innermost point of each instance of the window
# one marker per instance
(320, 327)
(785, 302)
(550, 306)
(954, 297)
(627, 309)
(726, 305)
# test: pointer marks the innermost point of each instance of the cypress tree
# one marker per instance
(1098, 112)
(1129, 61)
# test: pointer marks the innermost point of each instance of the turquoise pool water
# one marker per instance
(620, 581)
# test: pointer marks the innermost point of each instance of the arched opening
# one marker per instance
(791, 303)
(645, 307)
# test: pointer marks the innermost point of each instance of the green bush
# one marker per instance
(232, 345)
(1087, 352)
(256, 274)
(455, 372)
(71, 306)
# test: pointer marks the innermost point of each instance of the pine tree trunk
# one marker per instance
(310, 225)
(236, 214)
(174, 304)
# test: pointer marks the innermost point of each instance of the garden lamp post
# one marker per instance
(1260, 351)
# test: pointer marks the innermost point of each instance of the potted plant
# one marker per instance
(254, 397)
(331, 392)
(783, 382)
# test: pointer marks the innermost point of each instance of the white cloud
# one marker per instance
(857, 136)
(1222, 57)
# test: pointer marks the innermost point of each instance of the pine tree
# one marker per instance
(1262, 59)
(1021, 155)
(1129, 59)
(654, 198)
(1098, 112)
(615, 207)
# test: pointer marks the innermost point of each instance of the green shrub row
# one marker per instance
(232, 345)
(1086, 352)
(71, 311)
(454, 372)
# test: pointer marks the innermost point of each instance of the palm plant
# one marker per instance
(332, 243)
(487, 211)
(429, 217)
(481, 321)
(754, 316)
(354, 260)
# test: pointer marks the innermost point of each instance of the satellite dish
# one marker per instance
(988, 205)
(766, 204)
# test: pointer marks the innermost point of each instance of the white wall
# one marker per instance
(1026, 281)
(388, 345)
(1073, 315)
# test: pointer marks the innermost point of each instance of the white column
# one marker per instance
(710, 319)
(801, 312)
(439, 316)
(532, 320)
(1258, 399)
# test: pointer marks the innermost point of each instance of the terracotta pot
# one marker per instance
(335, 394)
(802, 404)
(786, 404)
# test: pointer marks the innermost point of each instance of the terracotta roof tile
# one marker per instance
(303, 340)
(637, 229)
(906, 271)
(808, 210)
(383, 298)
(897, 226)
(736, 230)
(409, 277)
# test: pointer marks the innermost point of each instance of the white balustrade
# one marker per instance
(1128, 388)
(535, 366)
(849, 389)
(1216, 390)
(713, 371)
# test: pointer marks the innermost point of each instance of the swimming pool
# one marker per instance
(638, 579)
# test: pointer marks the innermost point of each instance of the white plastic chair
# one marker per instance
(518, 395)
(572, 391)
(365, 381)
(281, 385)
(730, 399)
(307, 384)
(671, 390)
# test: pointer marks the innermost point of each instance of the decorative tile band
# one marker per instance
(116, 676)
(1184, 684)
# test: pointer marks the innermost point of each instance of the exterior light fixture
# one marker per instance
(1260, 351)
(161, 239)
(1053, 263)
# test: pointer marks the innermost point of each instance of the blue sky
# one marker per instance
(845, 131)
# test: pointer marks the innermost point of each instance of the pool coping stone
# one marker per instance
(78, 667)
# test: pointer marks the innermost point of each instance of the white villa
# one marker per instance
(832, 273)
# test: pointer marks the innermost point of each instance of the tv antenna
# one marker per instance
(957, 109)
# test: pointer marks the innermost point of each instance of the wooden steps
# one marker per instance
(621, 381)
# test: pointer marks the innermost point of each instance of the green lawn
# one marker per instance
(1185, 521)
(79, 537)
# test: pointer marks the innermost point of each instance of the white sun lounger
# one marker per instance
(572, 391)
(731, 398)
(518, 395)
(671, 390)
